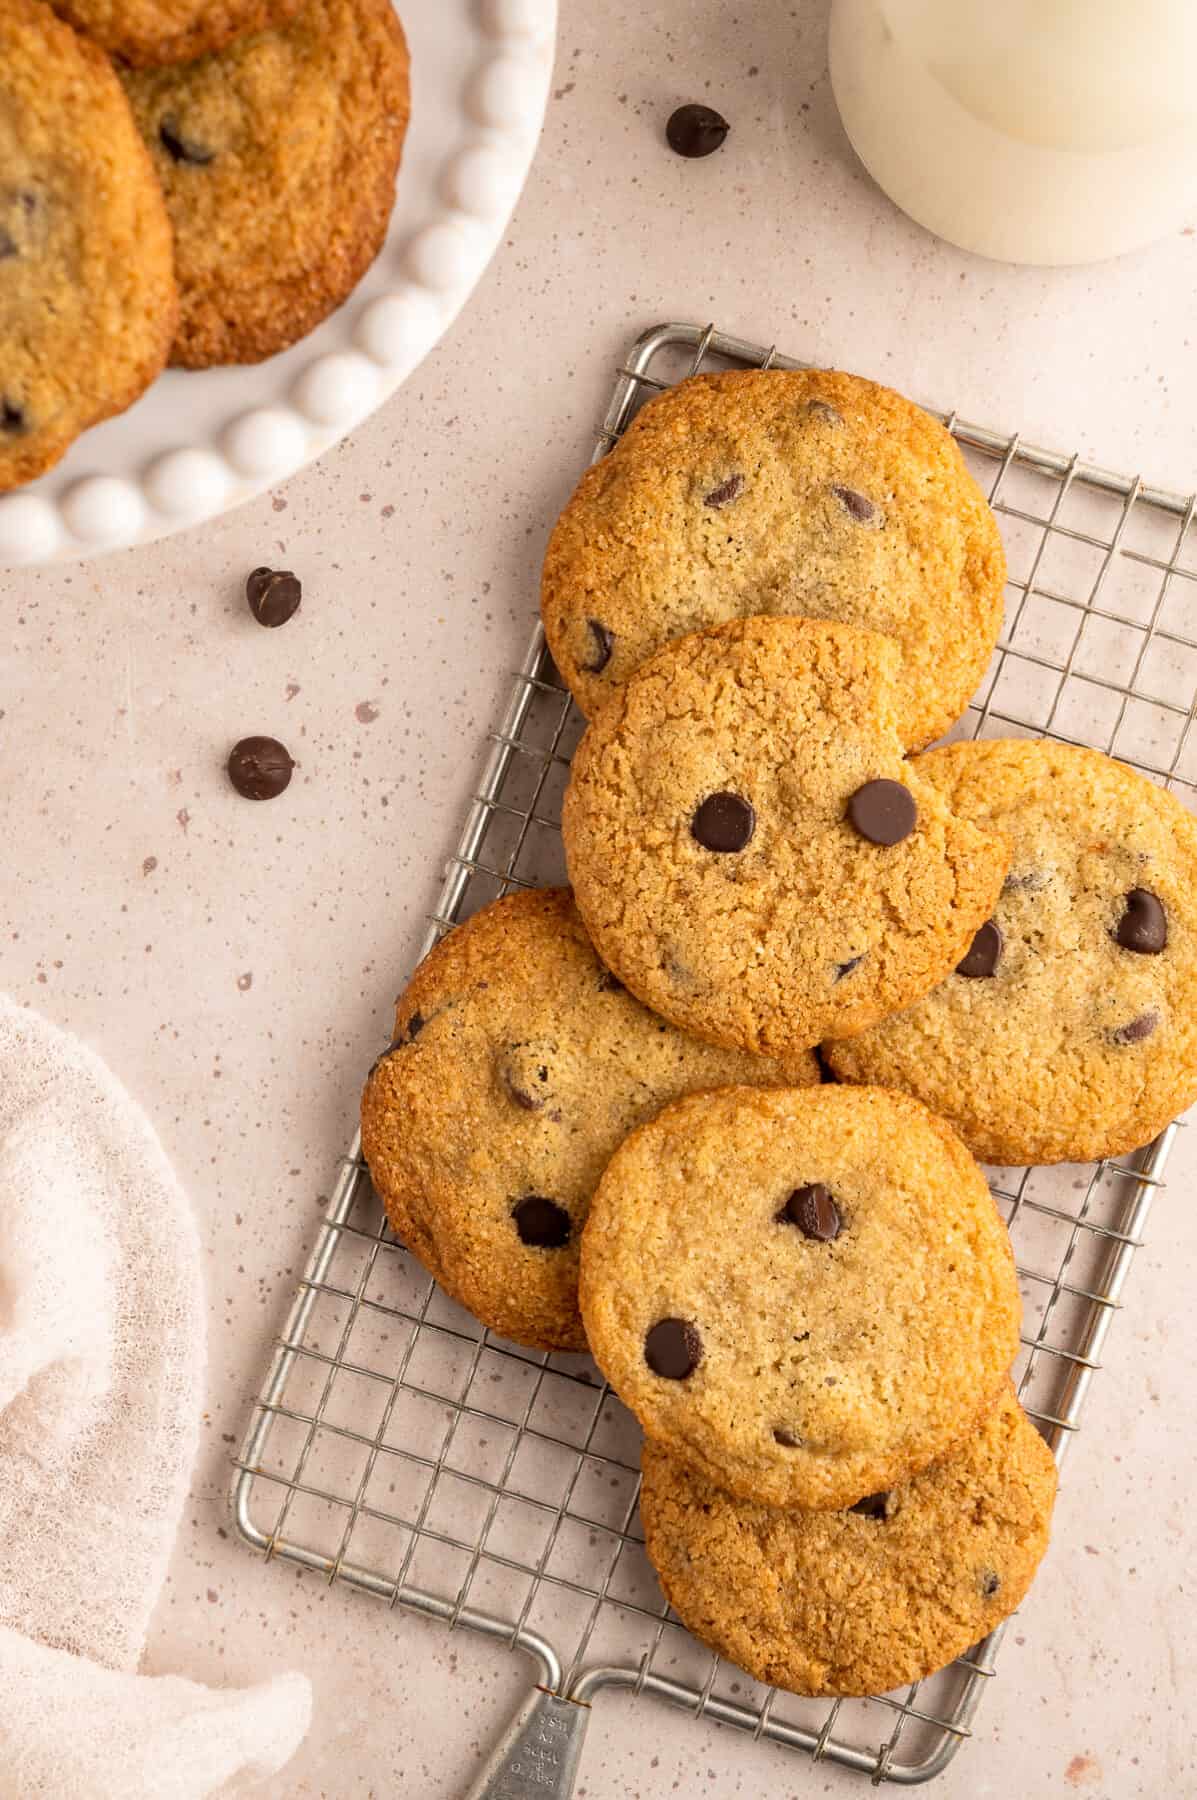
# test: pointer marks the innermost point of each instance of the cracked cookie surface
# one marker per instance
(806, 1295)
(87, 291)
(749, 850)
(277, 157)
(1069, 1032)
(864, 1600)
(519, 1065)
(806, 492)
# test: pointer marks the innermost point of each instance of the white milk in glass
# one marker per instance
(1039, 131)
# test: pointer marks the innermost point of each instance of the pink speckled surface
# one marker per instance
(234, 963)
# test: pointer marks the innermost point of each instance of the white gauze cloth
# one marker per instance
(101, 1386)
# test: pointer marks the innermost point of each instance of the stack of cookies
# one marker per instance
(713, 1113)
(184, 182)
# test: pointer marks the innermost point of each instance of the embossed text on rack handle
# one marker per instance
(537, 1757)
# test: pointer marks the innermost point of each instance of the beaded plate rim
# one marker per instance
(198, 444)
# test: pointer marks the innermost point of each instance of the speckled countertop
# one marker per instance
(234, 963)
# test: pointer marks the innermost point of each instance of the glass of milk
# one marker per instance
(1034, 131)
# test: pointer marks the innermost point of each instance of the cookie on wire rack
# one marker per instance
(862, 1600)
(278, 158)
(88, 302)
(750, 851)
(806, 492)
(807, 1295)
(1069, 1030)
(519, 1064)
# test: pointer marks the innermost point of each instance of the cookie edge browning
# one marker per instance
(983, 869)
(471, 947)
(833, 1489)
(788, 1667)
(986, 556)
(248, 324)
(213, 29)
(155, 231)
(396, 1188)
(848, 1058)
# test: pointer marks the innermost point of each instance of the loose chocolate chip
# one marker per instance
(260, 768)
(823, 411)
(883, 812)
(541, 1223)
(846, 968)
(695, 130)
(1136, 1029)
(984, 953)
(814, 1212)
(600, 654)
(673, 1348)
(182, 148)
(859, 506)
(785, 1438)
(12, 417)
(610, 984)
(415, 1025)
(989, 1581)
(873, 1506)
(726, 492)
(724, 823)
(273, 595)
(1143, 927)
(8, 244)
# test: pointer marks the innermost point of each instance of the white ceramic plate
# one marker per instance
(199, 443)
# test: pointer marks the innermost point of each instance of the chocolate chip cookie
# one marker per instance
(145, 33)
(1069, 1030)
(807, 1295)
(779, 492)
(278, 157)
(750, 852)
(87, 293)
(864, 1600)
(519, 1063)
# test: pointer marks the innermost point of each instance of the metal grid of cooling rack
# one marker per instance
(399, 1447)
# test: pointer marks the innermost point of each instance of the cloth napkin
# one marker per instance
(101, 1388)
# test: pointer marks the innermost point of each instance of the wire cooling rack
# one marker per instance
(399, 1447)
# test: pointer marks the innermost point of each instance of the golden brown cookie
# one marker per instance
(87, 292)
(278, 157)
(519, 1064)
(145, 33)
(809, 492)
(807, 1295)
(862, 1601)
(1069, 1031)
(750, 852)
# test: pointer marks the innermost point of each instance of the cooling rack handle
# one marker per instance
(537, 1757)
